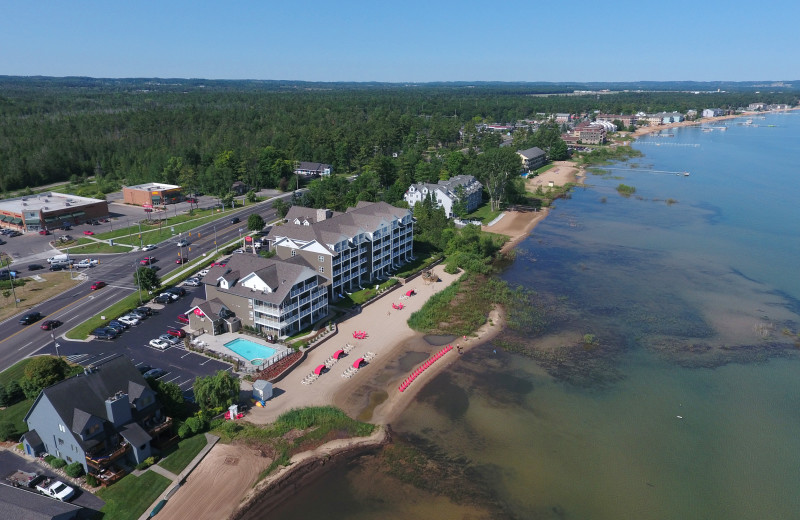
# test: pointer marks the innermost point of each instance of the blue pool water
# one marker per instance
(250, 350)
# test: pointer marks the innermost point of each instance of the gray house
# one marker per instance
(464, 188)
(107, 415)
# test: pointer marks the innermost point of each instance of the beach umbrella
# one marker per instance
(357, 362)
(319, 369)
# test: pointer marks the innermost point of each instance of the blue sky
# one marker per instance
(412, 41)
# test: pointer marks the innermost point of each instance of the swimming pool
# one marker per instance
(250, 350)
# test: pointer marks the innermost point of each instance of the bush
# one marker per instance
(57, 463)
(92, 481)
(74, 470)
(146, 463)
(49, 459)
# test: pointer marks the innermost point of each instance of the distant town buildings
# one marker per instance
(465, 188)
(713, 112)
(49, 210)
(151, 194)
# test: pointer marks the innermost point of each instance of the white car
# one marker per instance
(203, 272)
(238, 251)
(149, 247)
(172, 340)
(87, 262)
(192, 282)
(183, 243)
(159, 343)
(128, 320)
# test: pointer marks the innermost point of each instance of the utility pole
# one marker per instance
(215, 239)
(13, 292)
(138, 283)
(140, 234)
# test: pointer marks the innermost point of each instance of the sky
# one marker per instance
(409, 41)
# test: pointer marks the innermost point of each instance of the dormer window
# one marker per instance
(294, 252)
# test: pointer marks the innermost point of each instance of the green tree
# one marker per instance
(41, 372)
(255, 222)
(251, 196)
(171, 397)
(147, 279)
(495, 168)
(216, 391)
(281, 207)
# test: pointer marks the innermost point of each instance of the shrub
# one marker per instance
(146, 463)
(49, 459)
(92, 481)
(57, 463)
(74, 470)
(7, 431)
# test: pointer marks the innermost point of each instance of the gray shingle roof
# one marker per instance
(530, 153)
(20, 504)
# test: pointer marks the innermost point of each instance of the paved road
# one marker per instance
(78, 304)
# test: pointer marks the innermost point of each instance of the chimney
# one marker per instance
(118, 409)
(323, 214)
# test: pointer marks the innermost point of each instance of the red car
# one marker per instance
(183, 318)
(181, 260)
(147, 260)
(87, 232)
(178, 333)
(51, 324)
(98, 285)
(44, 232)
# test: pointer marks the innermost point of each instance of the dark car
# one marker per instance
(117, 323)
(57, 267)
(138, 314)
(144, 368)
(116, 326)
(35, 267)
(163, 298)
(154, 373)
(146, 310)
(104, 333)
(180, 291)
(31, 317)
(235, 220)
(50, 324)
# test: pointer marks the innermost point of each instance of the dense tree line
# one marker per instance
(207, 134)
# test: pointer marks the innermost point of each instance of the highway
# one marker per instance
(80, 303)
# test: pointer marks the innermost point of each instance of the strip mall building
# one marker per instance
(49, 211)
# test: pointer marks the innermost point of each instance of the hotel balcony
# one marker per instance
(160, 427)
(101, 458)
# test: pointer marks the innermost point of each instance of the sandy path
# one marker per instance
(213, 490)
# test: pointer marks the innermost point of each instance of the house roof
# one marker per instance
(18, 503)
(90, 390)
(530, 153)
(135, 434)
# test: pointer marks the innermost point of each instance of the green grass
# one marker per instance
(15, 372)
(131, 497)
(114, 311)
(15, 414)
(541, 170)
(87, 246)
(484, 214)
(186, 451)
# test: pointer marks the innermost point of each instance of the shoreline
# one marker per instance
(646, 130)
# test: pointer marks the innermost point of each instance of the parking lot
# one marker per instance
(181, 366)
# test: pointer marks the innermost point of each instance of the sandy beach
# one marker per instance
(652, 129)
(371, 394)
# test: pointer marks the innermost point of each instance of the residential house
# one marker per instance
(313, 169)
(756, 107)
(654, 119)
(349, 249)
(276, 296)
(563, 118)
(464, 188)
(107, 414)
(532, 158)
(239, 188)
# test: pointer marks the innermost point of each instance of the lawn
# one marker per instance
(131, 497)
(185, 452)
(14, 372)
(484, 214)
(86, 246)
(15, 414)
(35, 292)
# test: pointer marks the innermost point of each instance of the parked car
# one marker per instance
(58, 267)
(104, 333)
(154, 373)
(146, 310)
(56, 489)
(180, 291)
(87, 232)
(2, 242)
(183, 243)
(44, 232)
(183, 318)
(149, 247)
(144, 368)
(172, 340)
(178, 333)
(35, 267)
(50, 324)
(31, 317)
(148, 260)
(192, 282)
(129, 320)
(98, 285)
(181, 260)
(116, 326)
(138, 314)
(163, 298)
(159, 344)
(203, 272)
(93, 222)
(117, 322)
(238, 251)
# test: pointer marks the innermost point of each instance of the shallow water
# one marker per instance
(685, 408)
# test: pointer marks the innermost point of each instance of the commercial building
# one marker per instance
(151, 194)
(313, 169)
(461, 188)
(276, 296)
(49, 211)
(348, 249)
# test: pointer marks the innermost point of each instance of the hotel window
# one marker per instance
(321, 269)
(294, 252)
(321, 258)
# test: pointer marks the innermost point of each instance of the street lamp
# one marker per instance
(11, 279)
(215, 239)
(53, 335)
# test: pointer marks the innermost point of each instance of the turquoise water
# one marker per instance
(686, 406)
(250, 350)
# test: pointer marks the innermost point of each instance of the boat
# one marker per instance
(685, 174)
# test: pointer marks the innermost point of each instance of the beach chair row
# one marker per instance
(310, 378)
(422, 368)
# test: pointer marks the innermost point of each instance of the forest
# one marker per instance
(207, 134)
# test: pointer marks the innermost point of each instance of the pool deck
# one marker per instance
(217, 344)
